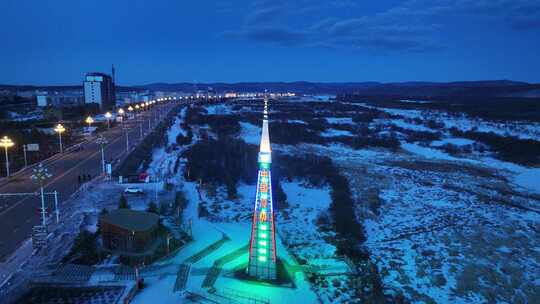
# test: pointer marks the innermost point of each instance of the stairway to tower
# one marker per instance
(215, 270)
(183, 270)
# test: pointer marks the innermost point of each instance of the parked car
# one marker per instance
(133, 190)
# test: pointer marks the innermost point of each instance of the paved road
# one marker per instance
(20, 214)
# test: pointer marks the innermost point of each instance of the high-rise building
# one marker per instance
(262, 246)
(99, 89)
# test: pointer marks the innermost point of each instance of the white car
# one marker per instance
(133, 190)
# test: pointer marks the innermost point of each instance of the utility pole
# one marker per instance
(56, 207)
(102, 141)
(25, 159)
(127, 139)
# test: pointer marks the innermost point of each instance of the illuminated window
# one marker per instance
(262, 235)
(262, 251)
(262, 243)
(262, 258)
(262, 226)
(263, 202)
(264, 174)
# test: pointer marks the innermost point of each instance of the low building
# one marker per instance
(129, 231)
(62, 99)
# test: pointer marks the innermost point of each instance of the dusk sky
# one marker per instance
(58, 41)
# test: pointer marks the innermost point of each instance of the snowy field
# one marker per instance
(449, 229)
(440, 228)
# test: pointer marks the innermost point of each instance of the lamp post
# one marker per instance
(60, 129)
(127, 139)
(130, 111)
(121, 113)
(89, 120)
(6, 143)
(40, 174)
(108, 115)
(102, 141)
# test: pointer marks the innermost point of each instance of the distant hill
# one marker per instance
(484, 88)
(417, 89)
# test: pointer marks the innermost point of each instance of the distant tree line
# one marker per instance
(509, 148)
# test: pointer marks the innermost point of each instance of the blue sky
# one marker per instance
(57, 41)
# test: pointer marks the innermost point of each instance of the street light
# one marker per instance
(6, 143)
(60, 129)
(130, 109)
(40, 174)
(102, 141)
(121, 113)
(89, 120)
(108, 115)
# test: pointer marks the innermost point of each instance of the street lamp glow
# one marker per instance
(6, 143)
(89, 120)
(60, 129)
(137, 106)
(121, 111)
(130, 108)
(108, 115)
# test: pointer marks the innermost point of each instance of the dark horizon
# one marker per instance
(420, 82)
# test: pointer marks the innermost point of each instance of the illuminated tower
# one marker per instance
(262, 246)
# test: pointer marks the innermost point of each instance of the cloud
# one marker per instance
(272, 35)
(263, 15)
(412, 26)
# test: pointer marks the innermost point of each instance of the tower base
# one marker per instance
(284, 275)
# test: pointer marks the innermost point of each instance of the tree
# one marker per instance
(85, 248)
(123, 204)
(152, 208)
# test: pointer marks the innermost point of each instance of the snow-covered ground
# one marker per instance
(524, 130)
(452, 140)
(335, 132)
(440, 228)
(230, 219)
(250, 133)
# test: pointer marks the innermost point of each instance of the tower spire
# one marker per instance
(265, 137)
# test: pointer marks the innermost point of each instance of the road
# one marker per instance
(21, 213)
